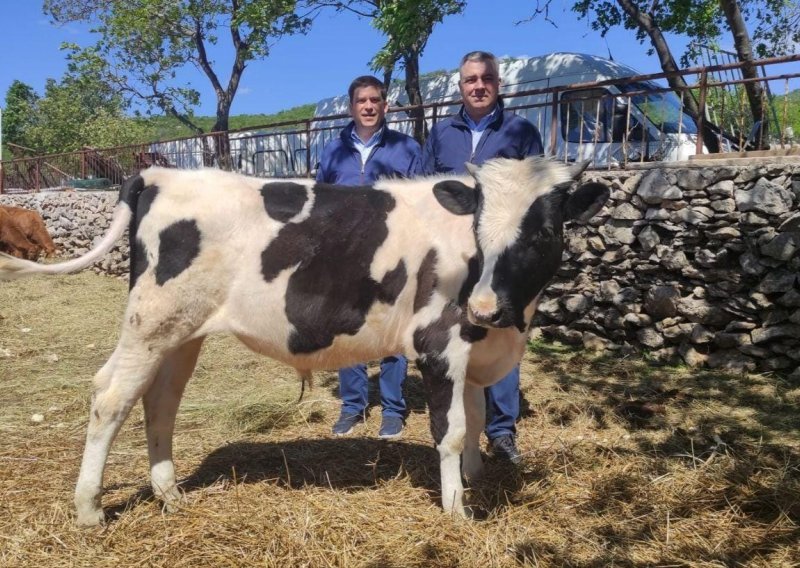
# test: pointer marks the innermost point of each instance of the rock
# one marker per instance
(37, 418)
(782, 247)
(693, 215)
(701, 311)
(701, 334)
(723, 206)
(662, 302)
(675, 260)
(721, 188)
(729, 340)
(655, 188)
(626, 212)
(790, 299)
(594, 342)
(549, 308)
(740, 326)
(754, 350)
(617, 232)
(608, 289)
(636, 320)
(776, 364)
(751, 265)
(765, 197)
(577, 303)
(657, 214)
(650, 338)
(691, 356)
(731, 360)
(778, 281)
(648, 238)
(693, 179)
(763, 334)
(791, 224)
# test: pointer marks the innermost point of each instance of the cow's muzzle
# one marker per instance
(484, 315)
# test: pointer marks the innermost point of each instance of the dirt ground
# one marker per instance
(626, 464)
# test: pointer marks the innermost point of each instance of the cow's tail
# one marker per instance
(13, 268)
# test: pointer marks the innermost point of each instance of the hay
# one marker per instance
(626, 464)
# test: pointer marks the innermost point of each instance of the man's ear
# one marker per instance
(456, 197)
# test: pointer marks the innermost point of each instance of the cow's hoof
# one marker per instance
(90, 518)
(472, 469)
(172, 499)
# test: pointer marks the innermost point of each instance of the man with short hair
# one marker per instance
(367, 149)
(482, 130)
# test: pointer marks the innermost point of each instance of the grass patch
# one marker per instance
(626, 464)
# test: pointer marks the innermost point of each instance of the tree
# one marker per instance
(150, 41)
(18, 113)
(703, 20)
(407, 25)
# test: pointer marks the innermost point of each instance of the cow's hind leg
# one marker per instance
(161, 402)
(118, 385)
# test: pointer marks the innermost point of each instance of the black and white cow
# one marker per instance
(447, 270)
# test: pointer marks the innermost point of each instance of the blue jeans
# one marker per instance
(353, 387)
(502, 405)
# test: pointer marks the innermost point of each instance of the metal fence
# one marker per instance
(613, 123)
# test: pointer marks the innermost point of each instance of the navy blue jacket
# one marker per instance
(395, 155)
(449, 144)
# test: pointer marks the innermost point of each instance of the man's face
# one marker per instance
(479, 86)
(368, 108)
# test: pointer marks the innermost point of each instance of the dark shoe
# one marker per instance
(391, 427)
(346, 423)
(505, 448)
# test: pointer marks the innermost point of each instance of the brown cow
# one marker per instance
(13, 240)
(32, 226)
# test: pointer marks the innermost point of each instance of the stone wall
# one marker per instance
(695, 262)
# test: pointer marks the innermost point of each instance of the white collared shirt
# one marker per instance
(477, 129)
(365, 148)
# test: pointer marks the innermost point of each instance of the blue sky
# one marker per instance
(305, 69)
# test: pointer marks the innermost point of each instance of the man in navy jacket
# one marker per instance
(365, 151)
(482, 130)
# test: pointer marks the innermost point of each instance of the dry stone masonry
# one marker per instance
(694, 262)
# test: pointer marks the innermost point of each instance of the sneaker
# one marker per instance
(391, 427)
(346, 423)
(505, 448)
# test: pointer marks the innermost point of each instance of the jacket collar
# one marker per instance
(458, 119)
(347, 133)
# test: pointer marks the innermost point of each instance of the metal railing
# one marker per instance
(613, 123)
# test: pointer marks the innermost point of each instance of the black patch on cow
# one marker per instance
(527, 266)
(331, 290)
(427, 281)
(393, 283)
(138, 261)
(473, 275)
(130, 190)
(284, 199)
(439, 392)
(138, 253)
(178, 246)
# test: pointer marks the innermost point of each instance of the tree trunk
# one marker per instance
(744, 51)
(668, 65)
(222, 143)
(411, 61)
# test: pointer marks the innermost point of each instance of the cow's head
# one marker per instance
(520, 207)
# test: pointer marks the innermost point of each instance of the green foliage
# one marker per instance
(148, 42)
(776, 23)
(18, 113)
(407, 25)
(167, 127)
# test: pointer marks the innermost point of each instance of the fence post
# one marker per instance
(308, 147)
(701, 111)
(554, 124)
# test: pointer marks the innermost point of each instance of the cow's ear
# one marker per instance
(456, 197)
(583, 203)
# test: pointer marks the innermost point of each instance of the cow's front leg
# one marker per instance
(443, 372)
(475, 411)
